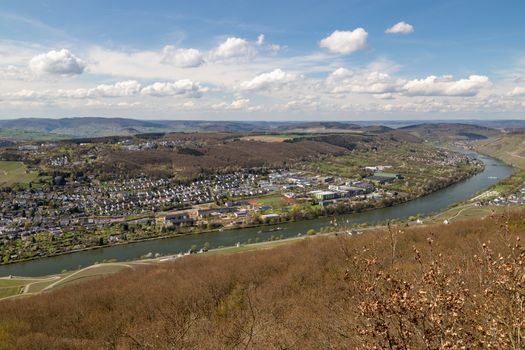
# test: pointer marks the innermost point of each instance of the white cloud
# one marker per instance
(343, 81)
(303, 103)
(25, 94)
(339, 75)
(12, 72)
(146, 65)
(275, 47)
(189, 104)
(400, 28)
(61, 62)
(268, 81)
(240, 103)
(120, 89)
(184, 58)
(341, 72)
(126, 88)
(517, 91)
(232, 47)
(345, 42)
(183, 87)
(260, 40)
(446, 86)
(336, 88)
(385, 96)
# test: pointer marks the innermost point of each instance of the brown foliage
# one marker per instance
(455, 286)
(221, 156)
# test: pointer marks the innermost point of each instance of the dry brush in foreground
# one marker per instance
(437, 287)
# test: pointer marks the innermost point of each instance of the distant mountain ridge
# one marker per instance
(82, 127)
(86, 127)
(450, 131)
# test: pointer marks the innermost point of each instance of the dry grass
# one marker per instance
(455, 286)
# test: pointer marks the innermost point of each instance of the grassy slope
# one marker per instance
(415, 287)
(14, 172)
(511, 149)
(9, 291)
(446, 132)
(26, 135)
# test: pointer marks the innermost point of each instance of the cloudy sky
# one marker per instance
(263, 60)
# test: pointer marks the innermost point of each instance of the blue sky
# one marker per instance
(263, 60)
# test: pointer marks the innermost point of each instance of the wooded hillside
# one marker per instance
(448, 286)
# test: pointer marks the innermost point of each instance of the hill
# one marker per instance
(46, 128)
(508, 147)
(207, 154)
(319, 127)
(446, 132)
(455, 286)
(220, 126)
(201, 153)
(83, 127)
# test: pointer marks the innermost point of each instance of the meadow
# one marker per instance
(15, 172)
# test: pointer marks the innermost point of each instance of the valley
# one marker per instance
(94, 193)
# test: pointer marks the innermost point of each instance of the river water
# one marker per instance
(432, 203)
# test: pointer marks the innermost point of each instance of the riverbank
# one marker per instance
(288, 283)
(433, 203)
(18, 286)
(305, 214)
(497, 149)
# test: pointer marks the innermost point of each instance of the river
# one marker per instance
(494, 171)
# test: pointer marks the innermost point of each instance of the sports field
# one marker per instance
(276, 201)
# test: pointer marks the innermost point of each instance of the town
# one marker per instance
(68, 207)
(262, 175)
(517, 198)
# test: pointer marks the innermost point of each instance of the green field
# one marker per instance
(275, 137)
(14, 282)
(26, 286)
(26, 135)
(276, 201)
(89, 273)
(9, 291)
(15, 172)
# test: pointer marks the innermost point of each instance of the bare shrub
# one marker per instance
(456, 286)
